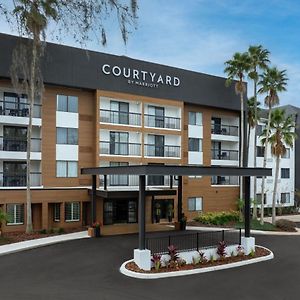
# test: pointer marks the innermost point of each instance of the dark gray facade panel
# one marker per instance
(78, 68)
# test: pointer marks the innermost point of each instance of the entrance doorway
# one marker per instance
(162, 210)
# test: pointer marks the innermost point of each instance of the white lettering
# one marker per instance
(128, 72)
(116, 71)
(168, 80)
(104, 71)
(144, 74)
(135, 74)
(176, 81)
(160, 79)
(152, 75)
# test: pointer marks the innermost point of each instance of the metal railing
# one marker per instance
(133, 180)
(19, 179)
(162, 121)
(225, 129)
(193, 241)
(17, 109)
(162, 151)
(19, 144)
(225, 180)
(120, 148)
(119, 117)
(224, 154)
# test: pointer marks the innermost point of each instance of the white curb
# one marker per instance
(129, 273)
(31, 244)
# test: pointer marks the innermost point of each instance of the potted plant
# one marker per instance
(183, 222)
(95, 230)
(170, 212)
(157, 212)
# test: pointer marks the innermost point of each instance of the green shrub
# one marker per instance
(218, 218)
(286, 225)
(61, 230)
(43, 231)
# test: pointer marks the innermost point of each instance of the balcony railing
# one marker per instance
(118, 117)
(224, 154)
(224, 180)
(19, 144)
(14, 109)
(113, 148)
(162, 151)
(19, 179)
(162, 122)
(225, 129)
(133, 180)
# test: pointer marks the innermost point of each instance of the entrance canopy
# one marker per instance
(178, 171)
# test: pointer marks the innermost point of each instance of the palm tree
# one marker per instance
(281, 134)
(236, 68)
(252, 117)
(272, 82)
(259, 60)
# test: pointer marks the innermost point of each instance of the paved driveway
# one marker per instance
(88, 269)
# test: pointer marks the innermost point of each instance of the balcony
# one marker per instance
(122, 118)
(19, 144)
(162, 151)
(224, 154)
(225, 129)
(162, 122)
(14, 109)
(224, 180)
(133, 180)
(118, 148)
(19, 179)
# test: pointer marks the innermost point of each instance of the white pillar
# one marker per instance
(142, 258)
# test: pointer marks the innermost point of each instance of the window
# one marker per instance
(67, 136)
(258, 198)
(260, 150)
(287, 153)
(259, 129)
(156, 116)
(119, 143)
(56, 212)
(66, 168)
(285, 173)
(119, 112)
(67, 103)
(195, 118)
(72, 211)
(117, 180)
(285, 198)
(195, 204)
(15, 213)
(195, 145)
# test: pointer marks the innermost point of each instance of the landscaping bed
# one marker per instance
(259, 252)
(15, 237)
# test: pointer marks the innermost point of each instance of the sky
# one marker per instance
(200, 35)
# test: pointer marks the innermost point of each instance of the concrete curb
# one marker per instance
(132, 274)
(31, 244)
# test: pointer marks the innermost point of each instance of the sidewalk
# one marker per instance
(294, 218)
(16, 247)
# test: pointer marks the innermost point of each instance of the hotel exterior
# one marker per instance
(105, 110)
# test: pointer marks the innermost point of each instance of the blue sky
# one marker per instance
(201, 34)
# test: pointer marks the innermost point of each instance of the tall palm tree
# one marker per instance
(237, 68)
(281, 134)
(272, 82)
(259, 60)
(252, 117)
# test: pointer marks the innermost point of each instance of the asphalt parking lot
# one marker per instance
(89, 269)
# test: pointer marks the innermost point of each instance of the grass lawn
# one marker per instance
(255, 224)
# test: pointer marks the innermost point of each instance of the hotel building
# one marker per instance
(105, 110)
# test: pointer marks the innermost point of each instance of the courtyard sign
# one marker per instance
(141, 77)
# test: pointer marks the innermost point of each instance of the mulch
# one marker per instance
(15, 237)
(259, 252)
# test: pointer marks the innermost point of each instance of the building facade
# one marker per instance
(105, 110)
(289, 168)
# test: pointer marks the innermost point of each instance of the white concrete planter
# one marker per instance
(129, 273)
